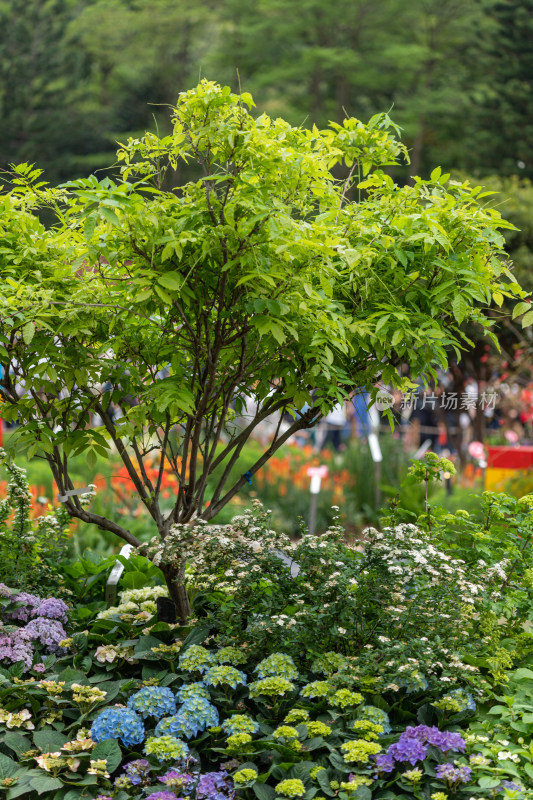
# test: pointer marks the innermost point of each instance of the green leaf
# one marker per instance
(521, 308)
(45, 783)
(323, 781)
(8, 767)
(263, 792)
(110, 750)
(48, 740)
(28, 332)
(171, 280)
(459, 307)
(527, 319)
(17, 742)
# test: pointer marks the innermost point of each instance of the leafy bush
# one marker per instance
(30, 549)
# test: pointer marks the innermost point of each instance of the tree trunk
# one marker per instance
(177, 590)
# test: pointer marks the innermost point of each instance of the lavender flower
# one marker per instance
(385, 763)
(453, 774)
(176, 780)
(164, 795)
(138, 771)
(29, 602)
(52, 608)
(16, 647)
(215, 786)
(49, 632)
(407, 749)
(5, 591)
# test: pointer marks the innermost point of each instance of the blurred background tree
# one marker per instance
(78, 75)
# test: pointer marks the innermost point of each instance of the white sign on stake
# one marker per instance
(71, 492)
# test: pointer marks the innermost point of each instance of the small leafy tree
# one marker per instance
(255, 278)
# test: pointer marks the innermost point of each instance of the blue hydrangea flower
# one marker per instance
(153, 701)
(118, 723)
(277, 664)
(138, 771)
(415, 682)
(190, 720)
(197, 689)
(225, 676)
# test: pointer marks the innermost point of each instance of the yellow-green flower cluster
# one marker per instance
(244, 776)
(292, 787)
(196, 659)
(316, 689)
(277, 664)
(318, 729)
(313, 772)
(167, 650)
(355, 782)
(224, 675)
(367, 730)
(166, 748)
(53, 688)
(296, 715)
(359, 751)
(413, 775)
(238, 741)
(98, 767)
(240, 723)
(271, 687)
(344, 698)
(285, 732)
(231, 655)
(86, 695)
(439, 796)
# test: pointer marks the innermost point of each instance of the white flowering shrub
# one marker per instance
(404, 613)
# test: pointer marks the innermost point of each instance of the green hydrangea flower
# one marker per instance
(285, 732)
(244, 776)
(344, 698)
(231, 655)
(240, 723)
(196, 659)
(359, 751)
(367, 730)
(297, 715)
(271, 687)
(277, 664)
(292, 787)
(313, 772)
(166, 748)
(318, 729)
(238, 741)
(222, 675)
(316, 689)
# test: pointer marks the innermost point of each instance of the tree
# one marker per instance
(256, 281)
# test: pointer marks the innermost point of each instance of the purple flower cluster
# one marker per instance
(138, 771)
(215, 786)
(49, 632)
(412, 746)
(176, 780)
(453, 774)
(16, 647)
(164, 795)
(43, 620)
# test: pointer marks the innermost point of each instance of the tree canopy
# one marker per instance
(257, 279)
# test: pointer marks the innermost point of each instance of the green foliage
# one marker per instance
(30, 549)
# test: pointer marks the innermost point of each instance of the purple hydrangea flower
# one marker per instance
(5, 591)
(39, 667)
(511, 786)
(138, 771)
(52, 608)
(446, 740)
(25, 611)
(175, 779)
(16, 647)
(407, 749)
(49, 632)
(385, 763)
(164, 795)
(453, 774)
(215, 786)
